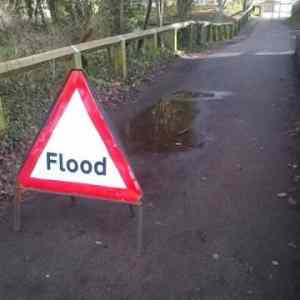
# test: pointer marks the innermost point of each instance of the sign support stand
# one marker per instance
(131, 211)
(17, 217)
(17, 209)
(73, 201)
(140, 230)
(90, 164)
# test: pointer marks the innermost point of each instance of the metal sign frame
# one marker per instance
(131, 195)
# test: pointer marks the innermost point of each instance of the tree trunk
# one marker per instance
(29, 8)
(147, 17)
(41, 11)
(162, 12)
(184, 8)
(221, 6)
(52, 5)
(113, 16)
(122, 16)
(148, 13)
(38, 12)
(160, 8)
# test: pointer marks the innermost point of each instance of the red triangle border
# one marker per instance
(132, 195)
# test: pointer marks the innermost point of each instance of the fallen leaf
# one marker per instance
(292, 201)
(215, 256)
(282, 195)
(292, 245)
(275, 263)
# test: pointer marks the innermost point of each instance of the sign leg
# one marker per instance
(131, 211)
(17, 209)
(140, 231)
(73, 201)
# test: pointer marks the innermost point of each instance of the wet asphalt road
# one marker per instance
(215, 228)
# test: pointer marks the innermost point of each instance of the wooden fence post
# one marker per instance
(231, 31)
(120, 59)
(215, 33)
(191, 37)
(175, 40)
(77, 59)
(235, 26)
(2, 118)
(198, 34)
(155, 40)
(209, 33)
(124, 59)
(204, 34)
(220, 33)
(225, 32)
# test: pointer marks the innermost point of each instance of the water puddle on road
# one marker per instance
(201, 95)
(168, 126)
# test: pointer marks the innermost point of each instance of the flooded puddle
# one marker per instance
(168, 126)
(201, 95)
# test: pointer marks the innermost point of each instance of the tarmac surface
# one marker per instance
(215, 145)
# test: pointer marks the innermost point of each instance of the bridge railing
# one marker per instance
(199, 33)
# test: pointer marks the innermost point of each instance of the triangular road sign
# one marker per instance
(76, 154)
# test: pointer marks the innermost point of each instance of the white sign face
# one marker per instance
(76, 153)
